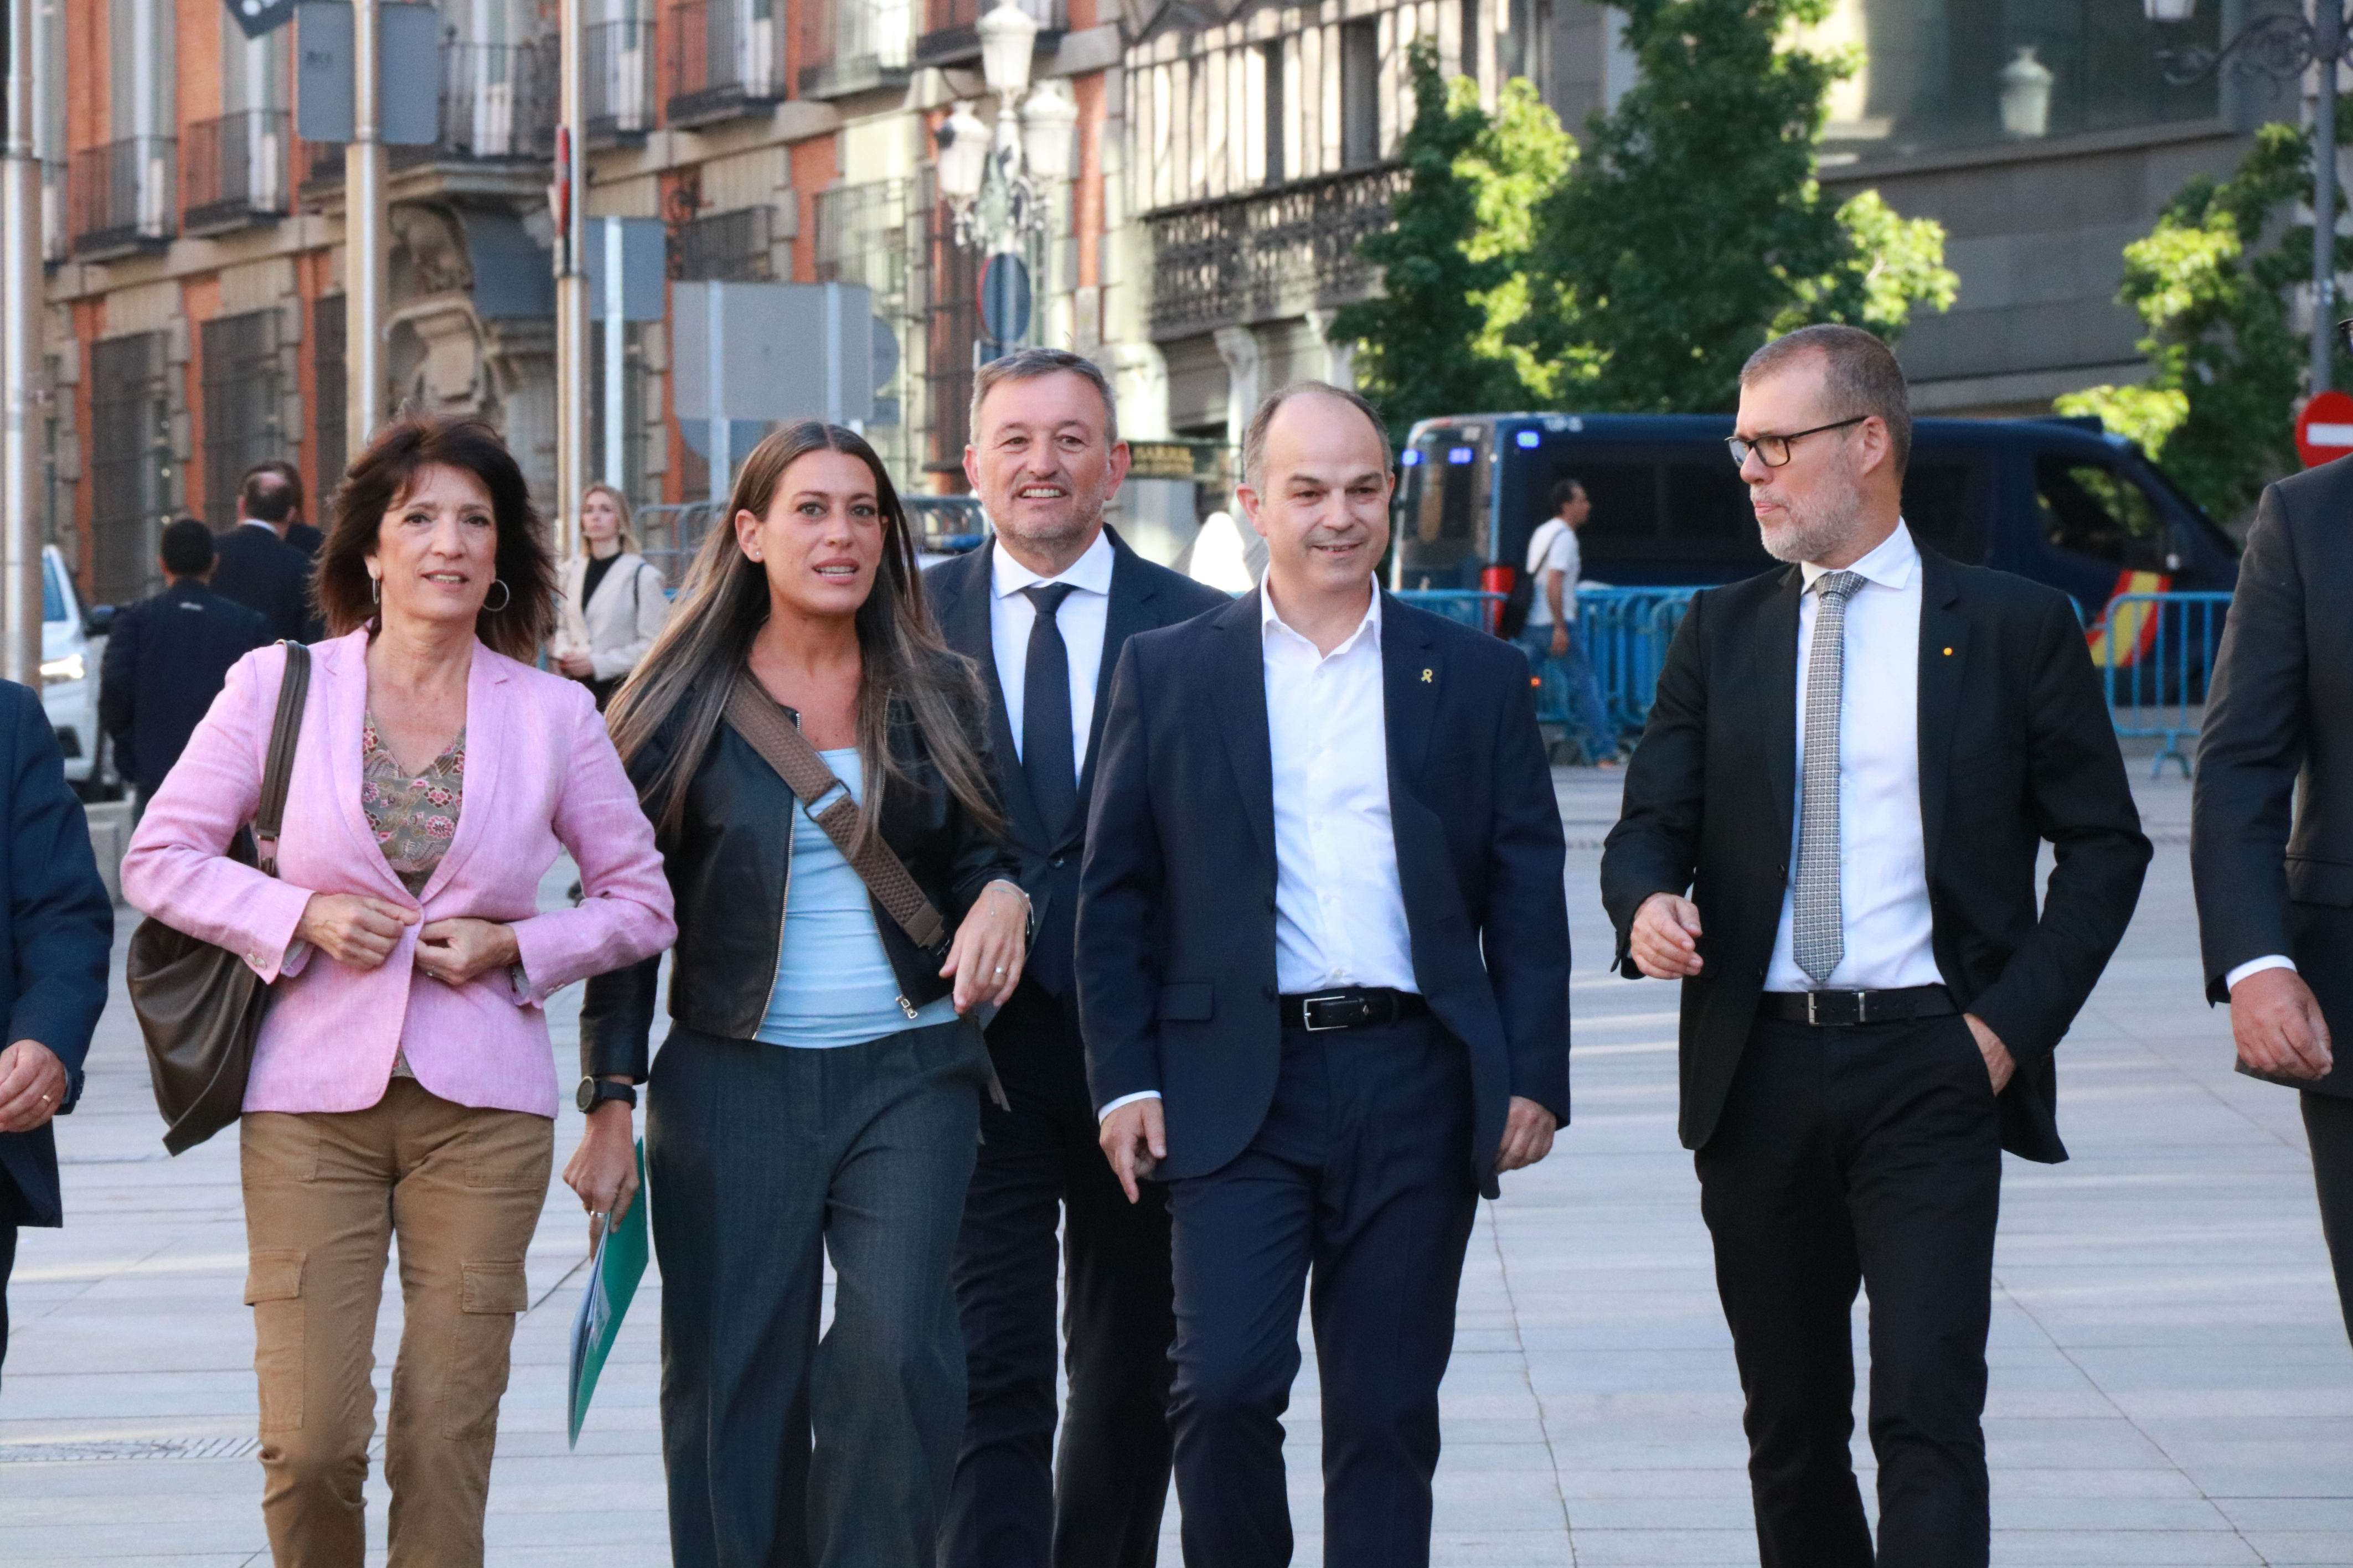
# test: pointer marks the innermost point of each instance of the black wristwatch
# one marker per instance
(596, 1091)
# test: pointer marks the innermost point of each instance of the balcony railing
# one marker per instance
(852, 45)
(952, 28)
(725, 60)
(496, 103)
(233, 172)
(620, 82)
(725, 248)
(1267, 254)
(120, 198)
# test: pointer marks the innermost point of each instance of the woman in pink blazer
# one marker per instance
(404, 1082)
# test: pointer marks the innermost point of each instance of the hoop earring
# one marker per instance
(376, 590)
(493, 609)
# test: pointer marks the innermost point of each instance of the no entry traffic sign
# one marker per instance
(2323, 431)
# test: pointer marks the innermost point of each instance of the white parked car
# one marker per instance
(73, 641)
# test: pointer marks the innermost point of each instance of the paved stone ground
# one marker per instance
(2172, 1382)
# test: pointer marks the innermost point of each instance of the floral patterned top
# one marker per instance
(412, 816)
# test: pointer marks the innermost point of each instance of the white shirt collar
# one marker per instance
(257, 522)
(1091, 571)
(1269, 623)
(1890, 564)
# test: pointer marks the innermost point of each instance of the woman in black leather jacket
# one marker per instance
(819, 1092)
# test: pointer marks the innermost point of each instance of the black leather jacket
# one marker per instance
(728, 862)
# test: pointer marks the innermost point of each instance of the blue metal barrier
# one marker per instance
(1626, 635)
(2154, 652)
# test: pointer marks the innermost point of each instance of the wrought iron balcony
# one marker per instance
(234, 173)
(1269, 253)
(120, 197)
(724, 61)
(725, 248)
(952, 28)
(496, 103)
(854, 46)
(620, 82)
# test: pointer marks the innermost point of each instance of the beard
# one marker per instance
(1813, 531)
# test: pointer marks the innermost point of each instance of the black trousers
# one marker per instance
(2328, 1128)
(1360, 1174)
(1864, 1156)
(783, 1450)
(1016, 1503)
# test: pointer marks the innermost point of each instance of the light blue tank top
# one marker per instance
(834, 983)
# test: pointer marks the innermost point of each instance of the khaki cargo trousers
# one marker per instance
(325, 1195)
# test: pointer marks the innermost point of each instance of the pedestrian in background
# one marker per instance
(56, 940)
(1323, 958)
(1554, 638)
(613, 603)
(299, 531)
(819, 1089)
(402, 1083)
(1850, 766)
(167, 658)
(2271, 840)
(1043, 612)
(255, 567)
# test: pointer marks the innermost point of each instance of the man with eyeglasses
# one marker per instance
(1830, 835)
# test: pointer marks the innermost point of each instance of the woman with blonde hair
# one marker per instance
(819, 1089)
(401, 1084)
(614, 602)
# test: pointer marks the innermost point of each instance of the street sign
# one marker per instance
(408, 52)
(644, 257)
(259, 19)
(2323, 431)
(767, 351)
(1005, 299)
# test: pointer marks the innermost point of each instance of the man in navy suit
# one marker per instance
(1044, 610)
(168, 657)
(258, 568)
(54, 946)
(1322, 957)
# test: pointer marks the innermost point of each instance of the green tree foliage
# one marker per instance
(2226, 360)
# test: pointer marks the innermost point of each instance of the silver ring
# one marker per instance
(1000, 969)
(596, 1214)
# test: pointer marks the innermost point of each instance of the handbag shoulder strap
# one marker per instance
(783, 747)
(277, 770)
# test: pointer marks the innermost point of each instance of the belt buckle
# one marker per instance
(1844, 1013)
(1307, 1005)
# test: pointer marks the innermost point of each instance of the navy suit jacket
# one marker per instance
(1176, 916)
(1144, 597)
(264, 573)
(167, 659)
(60, 934)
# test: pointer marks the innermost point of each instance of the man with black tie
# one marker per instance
(1044, 611)
(1850, 767)
(257, 567)
(2271, 837)
(1323, 984)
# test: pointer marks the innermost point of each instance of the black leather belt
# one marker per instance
(1349, 1007)
(1844, 1009)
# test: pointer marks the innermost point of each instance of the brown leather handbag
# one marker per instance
(200, 1005)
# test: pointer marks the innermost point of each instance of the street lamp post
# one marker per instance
(1001, 184)
(2282, 46)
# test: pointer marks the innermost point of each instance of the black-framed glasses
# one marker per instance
(1773, 451)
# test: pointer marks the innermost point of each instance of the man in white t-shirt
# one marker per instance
(1553, 639)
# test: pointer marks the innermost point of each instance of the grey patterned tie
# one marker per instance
(1817, 926)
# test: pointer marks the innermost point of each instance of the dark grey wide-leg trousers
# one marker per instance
(783, 1450)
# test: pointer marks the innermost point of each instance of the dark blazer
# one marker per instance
(2015, 747)
(262, 572)
(1144, 597)
(729, 861)
(1176, 941)
(2271, 840)
(301, 536)
(167, 659)
(58, 935)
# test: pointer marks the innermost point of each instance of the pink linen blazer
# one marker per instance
(540, 771)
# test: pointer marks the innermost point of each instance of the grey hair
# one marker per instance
(1028, 364)
(1861, 377)
(1254, 437)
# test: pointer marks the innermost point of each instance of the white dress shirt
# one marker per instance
(1882, 858)
(1339, 914)
(1082, 620)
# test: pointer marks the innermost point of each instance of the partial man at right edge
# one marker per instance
(2271, 840)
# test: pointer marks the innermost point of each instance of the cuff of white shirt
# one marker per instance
(1104, 1114)
(2256, 966)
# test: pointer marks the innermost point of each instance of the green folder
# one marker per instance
(613, 1276)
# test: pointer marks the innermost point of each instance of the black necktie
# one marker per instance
(1046, 748)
